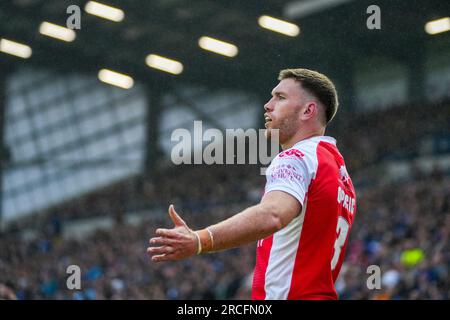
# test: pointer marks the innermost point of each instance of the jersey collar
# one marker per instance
(320, 138)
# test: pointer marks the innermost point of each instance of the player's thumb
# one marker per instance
(176, 218)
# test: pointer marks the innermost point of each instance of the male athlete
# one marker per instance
(303, 219)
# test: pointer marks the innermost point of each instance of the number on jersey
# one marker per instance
(342, 230)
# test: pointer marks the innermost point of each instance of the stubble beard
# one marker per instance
(287, 129)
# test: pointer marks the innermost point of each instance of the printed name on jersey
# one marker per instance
(346, 201)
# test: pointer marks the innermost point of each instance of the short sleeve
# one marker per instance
(289, 175)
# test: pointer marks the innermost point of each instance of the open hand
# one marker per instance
(173, 244)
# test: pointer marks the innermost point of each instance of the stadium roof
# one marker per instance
(332, 34)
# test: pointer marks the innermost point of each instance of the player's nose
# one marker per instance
(268, 106)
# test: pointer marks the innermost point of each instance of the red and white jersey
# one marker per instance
(303, 260)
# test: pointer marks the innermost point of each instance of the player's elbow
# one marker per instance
(277, 223)
(273, 219)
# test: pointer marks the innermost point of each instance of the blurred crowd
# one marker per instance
(365, 139)
(114, 265)
(403, 227)
(399, 132)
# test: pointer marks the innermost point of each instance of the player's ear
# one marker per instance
(310, 109)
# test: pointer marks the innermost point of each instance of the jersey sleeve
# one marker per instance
(289, 175)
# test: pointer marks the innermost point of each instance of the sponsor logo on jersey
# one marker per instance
(344, 174)
(292, 153)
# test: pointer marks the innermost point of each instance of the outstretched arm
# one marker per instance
(275, 211)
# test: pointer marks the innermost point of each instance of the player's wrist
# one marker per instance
(205, 241)
(199, 243)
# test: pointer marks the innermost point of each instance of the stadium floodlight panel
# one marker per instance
(57, 32)
(15, 48)
(104, 11)
(164, 64)
(218, 46)
(115, 78)
(438, 26)
(280, 26)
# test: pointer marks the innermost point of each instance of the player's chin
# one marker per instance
(268, 131)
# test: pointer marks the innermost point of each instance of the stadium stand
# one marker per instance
(86, 124)
(402, 225)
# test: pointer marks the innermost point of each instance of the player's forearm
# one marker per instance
(252, 224)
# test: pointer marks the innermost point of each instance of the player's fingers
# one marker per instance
(164, 257)
(161, 241)
(160, 250)
(168, 233)
(176, 218)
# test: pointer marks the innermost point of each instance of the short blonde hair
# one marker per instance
(317, 84)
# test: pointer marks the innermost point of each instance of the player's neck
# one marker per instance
(302, 135)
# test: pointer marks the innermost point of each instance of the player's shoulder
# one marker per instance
(304, 152)
(308, 147)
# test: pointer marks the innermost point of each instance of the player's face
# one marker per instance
(282, 111)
